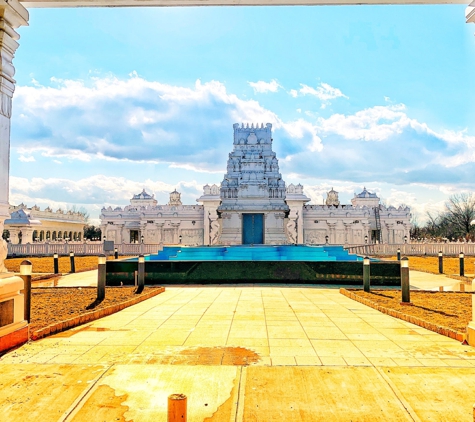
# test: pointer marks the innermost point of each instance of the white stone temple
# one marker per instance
(253, 205)
(27, 225)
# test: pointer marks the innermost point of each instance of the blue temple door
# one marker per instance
(252, 229)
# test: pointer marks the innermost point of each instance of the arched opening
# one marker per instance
(42, 236)
(53, 237)
(35, 235)
(48, 235)
(20, 236)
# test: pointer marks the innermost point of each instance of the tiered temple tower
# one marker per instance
(253, 192)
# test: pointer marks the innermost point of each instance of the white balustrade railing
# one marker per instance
(408, 249)
(90, 248)
(132, 249)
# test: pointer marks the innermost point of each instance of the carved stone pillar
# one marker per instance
(159, 232)
(12, 16)
(14, 232)
(348, 238)
(332, 235)
(390, 230)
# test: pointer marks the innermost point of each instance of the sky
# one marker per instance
(110, 101)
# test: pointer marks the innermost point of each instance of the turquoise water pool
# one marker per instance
(254, 253)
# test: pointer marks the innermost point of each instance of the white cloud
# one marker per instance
(323, 92)
(93, 192)
(264, 87)
(24, 159)
(137, 121)
(294, 93)
(372, 124)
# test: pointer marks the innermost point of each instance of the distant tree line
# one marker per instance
(453, 223)
(92, 232)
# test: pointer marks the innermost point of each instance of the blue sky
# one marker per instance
(110, 101)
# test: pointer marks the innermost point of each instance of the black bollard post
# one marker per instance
(56, 263)
(398, 254)
(25, 274)
(462, 264)
(366, 274)
(71, 259)
(141, 275)
(116, 253)
(405, 281)
(441, 262)
(101, 277)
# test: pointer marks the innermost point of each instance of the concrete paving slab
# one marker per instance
(143, 390)
(358, 394)
(422, 388)
(46, 392)
(166, 341)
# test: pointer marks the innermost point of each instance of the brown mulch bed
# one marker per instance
(45, 264)
(430, 264)
(52, 305)
(449, 309)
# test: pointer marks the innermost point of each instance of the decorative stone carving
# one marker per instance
(332, 198)
(315, 237)
(214, 232)
(292, 230)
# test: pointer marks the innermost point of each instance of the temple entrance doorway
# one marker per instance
(134, 236)
(252, 229)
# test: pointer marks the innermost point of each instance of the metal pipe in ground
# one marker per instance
(177, 408)
(441, 262)
(405, 290)
(366, 274)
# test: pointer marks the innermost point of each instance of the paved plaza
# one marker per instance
(242, 353)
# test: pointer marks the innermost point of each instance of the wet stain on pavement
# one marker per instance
(237, 356)
(103, 406)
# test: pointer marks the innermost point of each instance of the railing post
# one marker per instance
(25, 274)
(398, 254)
(441, 262)
(405, 290)
(462, 264)
(366, 274)
(116, 253)
(101, 277)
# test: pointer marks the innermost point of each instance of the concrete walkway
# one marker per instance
(242, 354)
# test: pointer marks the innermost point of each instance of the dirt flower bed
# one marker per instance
(45, 264)
(449, 309)
(430, 264)
(53, 305)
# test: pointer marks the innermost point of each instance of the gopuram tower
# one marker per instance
(252, 192)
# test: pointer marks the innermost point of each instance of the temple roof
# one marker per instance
(143, 195)
(365, 194)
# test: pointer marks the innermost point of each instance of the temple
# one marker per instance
(27, 225)
(253, 205)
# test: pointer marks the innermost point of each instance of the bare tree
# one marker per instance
(459, 213)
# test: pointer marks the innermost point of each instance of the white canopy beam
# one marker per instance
(176, 3)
